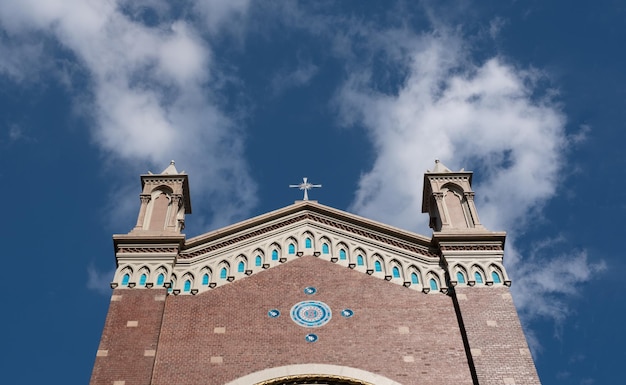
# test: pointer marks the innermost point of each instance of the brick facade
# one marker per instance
(425, 310)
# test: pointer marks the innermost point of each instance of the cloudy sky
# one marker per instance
(361, 96)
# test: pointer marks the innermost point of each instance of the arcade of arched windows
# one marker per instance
(212, 271)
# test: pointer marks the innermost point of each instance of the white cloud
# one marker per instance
(152, 95)
(301, 76)
(487, 115)
(99, 281)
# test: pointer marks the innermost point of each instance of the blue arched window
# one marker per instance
(258, 260)
(171, 288)
(187, 286)
(223, 273)
(460, 278)
(496, 277)
(274, 255)
(325, 248)
(307, 243)
(478, 277)
(241, 267)
(395, 272)
(125, 279)
(377, 266)
(160, 279)
(292, 249)
(414, 279)
(433, 284)
(205, 279)
(342, 254)
(359, 260)
(142, 280)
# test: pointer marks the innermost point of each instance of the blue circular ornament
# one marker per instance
(311, 314)
(311, 337)
(310, 290)
(274, 313)
(347, 313)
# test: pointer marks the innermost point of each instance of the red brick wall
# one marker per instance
(498, 345)
(126, 346)
(370, 340)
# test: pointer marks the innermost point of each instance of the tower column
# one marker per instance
(469, 197)
(174, 207)
(145, 199)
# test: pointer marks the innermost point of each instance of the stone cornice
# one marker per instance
(354, 224)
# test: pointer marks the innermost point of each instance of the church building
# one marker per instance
(309, 294)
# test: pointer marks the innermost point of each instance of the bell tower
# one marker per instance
(164, 202)
(449, 200)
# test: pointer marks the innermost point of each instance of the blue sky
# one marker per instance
(361, 96)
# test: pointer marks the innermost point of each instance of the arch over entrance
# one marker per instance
(313, 374)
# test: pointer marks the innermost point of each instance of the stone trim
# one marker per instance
(289, 373)
(309, 216)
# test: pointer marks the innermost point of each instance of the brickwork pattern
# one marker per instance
(223, 334)
(494, 333)
(129, 338)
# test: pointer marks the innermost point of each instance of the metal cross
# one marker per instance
(306, 186)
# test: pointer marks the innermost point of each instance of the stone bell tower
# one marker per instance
(164, 202)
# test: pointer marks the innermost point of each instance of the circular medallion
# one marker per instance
(310, 314)
(310, 290)
(310, 337)
(347, 313)
(273, 313)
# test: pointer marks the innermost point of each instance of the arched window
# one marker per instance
(292, 249)
(223, 273)
(342, 254)
(359, 260)
(258, 260)
(377, 266)
(241, 267)
(307, 243)
(205, 279)
(187, 286)
(160, 279)
(171, 288)
(142, 280)
(496, 277)
(274, 255)
(433, 284)
(395, 272)
(414, 279)
(478, 277)
(325, 248)
(125, 279)
(460, 278)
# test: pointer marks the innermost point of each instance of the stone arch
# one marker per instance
(456, 206)
(333, 374)
(158, 208)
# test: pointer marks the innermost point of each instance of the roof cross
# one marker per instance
(306, 186)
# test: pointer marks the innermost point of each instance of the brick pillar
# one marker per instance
(494, 338)
(129, 340)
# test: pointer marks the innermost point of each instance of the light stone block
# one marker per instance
(119, 382)
(160, 297)
(149, 353)
(217, 360)
(507, 296)
(116, 297)
(492, 323)
(408, 359)
(509, 381)
(476, 352)
(403, 330)
(132, 324)
(102, 353)
(219, 330)
(461, 297)
(524, 352)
